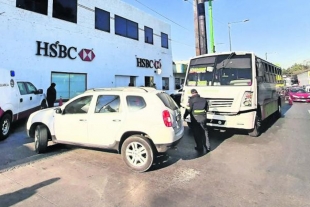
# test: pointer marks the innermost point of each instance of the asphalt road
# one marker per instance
(272, 170)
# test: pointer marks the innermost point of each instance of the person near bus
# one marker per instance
(51, 95)
(197, 109)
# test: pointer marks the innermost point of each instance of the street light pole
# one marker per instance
(229, 23)
(212, 46)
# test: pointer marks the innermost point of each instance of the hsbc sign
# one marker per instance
(145, 63)
(56, 50)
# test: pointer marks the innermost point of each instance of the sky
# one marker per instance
(280, 28)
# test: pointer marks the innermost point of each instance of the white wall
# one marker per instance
(115, 55)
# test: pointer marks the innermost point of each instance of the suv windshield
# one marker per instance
(221, 70)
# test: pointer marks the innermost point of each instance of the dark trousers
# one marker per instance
(201, 134)
(50, 103)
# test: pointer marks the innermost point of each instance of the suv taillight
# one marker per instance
(167, 118)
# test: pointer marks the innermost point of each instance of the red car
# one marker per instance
(299, 94)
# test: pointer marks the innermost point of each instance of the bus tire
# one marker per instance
(256, 131)
(279, 111)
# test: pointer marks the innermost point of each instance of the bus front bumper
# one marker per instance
(239, 121)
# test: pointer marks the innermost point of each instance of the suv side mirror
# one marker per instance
(58, 111)
(39, 91)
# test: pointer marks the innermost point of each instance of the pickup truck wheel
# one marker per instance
(5, 126)
(43, 104)
(40, 139)
(137, 153)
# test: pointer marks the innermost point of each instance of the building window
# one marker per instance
(126, 28)
(65, 10)
(69, 85)
(102, 20)
(148, 35)
(165, 82)
(38, 6)
(164, 40)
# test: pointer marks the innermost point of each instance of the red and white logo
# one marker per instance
(87, 55)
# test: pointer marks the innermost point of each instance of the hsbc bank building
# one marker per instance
(84, 44)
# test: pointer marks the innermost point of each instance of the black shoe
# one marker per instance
(198, 149)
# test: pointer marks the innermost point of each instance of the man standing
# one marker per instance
(197, 108)
(51, 95)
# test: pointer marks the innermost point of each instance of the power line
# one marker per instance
(162, 15)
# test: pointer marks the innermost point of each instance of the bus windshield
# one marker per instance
(221, 70)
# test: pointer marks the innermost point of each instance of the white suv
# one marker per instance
(136, 122)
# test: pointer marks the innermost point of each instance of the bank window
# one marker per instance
(38, 6)
(164, 40)
(165, 82)
(65, 10)
(148, 35)
(126, 28)
(69, 85)
(102, 20)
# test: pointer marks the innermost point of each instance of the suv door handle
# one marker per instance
(21, 100)
(116, 120)
(82, 120)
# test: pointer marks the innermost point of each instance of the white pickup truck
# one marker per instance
(18, 99)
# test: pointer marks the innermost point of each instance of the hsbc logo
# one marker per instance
(87, 55)
(56, 50)
(145, 63)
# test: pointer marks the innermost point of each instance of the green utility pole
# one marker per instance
(212, 46)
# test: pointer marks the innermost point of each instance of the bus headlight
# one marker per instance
(247, 99)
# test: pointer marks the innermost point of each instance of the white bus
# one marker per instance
(239, 86)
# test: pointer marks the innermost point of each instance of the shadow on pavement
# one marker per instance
(185, 149)
(11, 199)
(18, 148)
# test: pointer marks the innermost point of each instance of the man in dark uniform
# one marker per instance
(51, 95)
(197, 108)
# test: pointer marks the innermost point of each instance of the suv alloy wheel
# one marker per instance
(137, 153)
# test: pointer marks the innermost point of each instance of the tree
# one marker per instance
(296, 68)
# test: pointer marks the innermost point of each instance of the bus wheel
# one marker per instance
(279, 111)
(257, 127)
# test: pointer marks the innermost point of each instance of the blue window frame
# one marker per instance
(148, 35)
(126, 28)
(164, 40)
(65, 10)
(69, 85)
(38, 6)
(102, 20)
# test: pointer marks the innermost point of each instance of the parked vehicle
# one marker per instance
(176, 96)
(136, 122)
(17, 101)
(299, 94)
(241, 89)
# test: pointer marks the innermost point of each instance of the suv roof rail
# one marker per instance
(130, 88)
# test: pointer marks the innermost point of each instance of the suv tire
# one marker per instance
(137, 153)
(5, 126)
(40, 139)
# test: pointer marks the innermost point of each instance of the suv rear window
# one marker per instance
(135, 103)
(168, 101)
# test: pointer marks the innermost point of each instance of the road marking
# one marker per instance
(309, 111)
